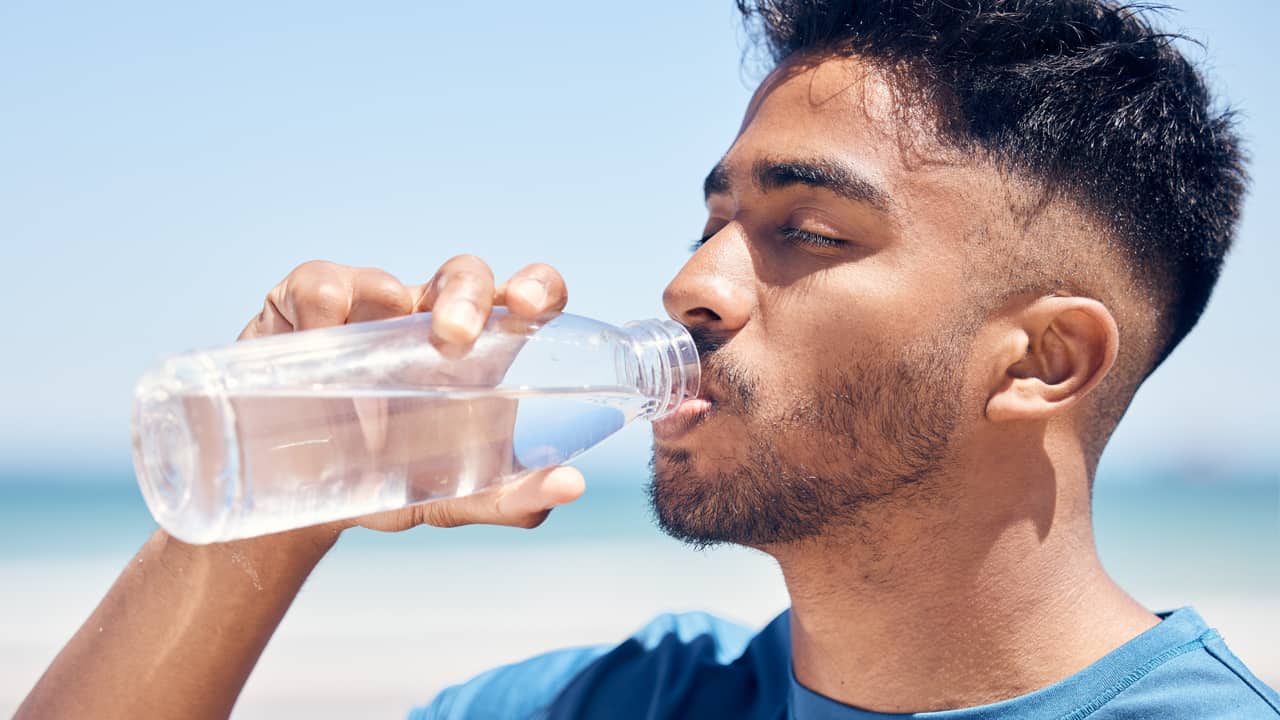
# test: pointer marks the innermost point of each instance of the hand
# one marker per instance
(460, 296)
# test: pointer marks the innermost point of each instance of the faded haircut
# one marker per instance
(1084, 98)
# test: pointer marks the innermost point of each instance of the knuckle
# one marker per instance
(314, 267)
(442, 515)
(417, 515)
(325, 296)
(467, 265)
(382, 289)
(269, 302)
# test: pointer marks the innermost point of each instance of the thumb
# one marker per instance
(524, 502)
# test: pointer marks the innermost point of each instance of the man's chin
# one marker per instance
(762, 502)
(680, 512)
(723, 506)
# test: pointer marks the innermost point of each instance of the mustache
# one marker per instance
(706, 340)
(735, 385)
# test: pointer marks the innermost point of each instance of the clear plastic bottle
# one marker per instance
(292, 430)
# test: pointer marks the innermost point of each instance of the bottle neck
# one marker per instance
(664, 364)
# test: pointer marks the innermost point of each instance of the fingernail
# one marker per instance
(463, 315)
(533, 292)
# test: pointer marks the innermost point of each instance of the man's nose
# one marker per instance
(714, 288)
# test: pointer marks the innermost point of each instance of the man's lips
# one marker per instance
(683, 419)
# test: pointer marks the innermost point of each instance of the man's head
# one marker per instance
(951, 239)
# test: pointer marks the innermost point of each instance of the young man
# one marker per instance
(949, 242)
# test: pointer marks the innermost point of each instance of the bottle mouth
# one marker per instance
(668, 370)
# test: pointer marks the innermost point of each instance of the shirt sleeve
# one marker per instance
(519, 690)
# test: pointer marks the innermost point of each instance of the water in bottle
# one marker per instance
(292, 430)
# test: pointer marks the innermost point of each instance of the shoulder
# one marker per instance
(672, 665)
(1201, 679)
(519, 690)
(687, 665)
(721, 639)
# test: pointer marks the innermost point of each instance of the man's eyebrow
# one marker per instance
(717, 181)
(839, 178)
(770, 174)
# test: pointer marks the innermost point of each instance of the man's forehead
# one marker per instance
(836, 113)
(832, 88)
(843, 109)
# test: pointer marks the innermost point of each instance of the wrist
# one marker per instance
(287, 556)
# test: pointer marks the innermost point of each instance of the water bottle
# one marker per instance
(291, 430)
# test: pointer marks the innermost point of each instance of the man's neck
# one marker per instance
(992, 602)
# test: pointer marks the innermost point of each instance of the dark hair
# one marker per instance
(1083, 96)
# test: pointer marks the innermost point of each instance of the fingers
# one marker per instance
(376, 295)
(460, 298)
(534, 290)
(268, 322)
(461, 295)
(321, 294)
(525, 503)
(317, 294)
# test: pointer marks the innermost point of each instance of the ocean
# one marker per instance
(387, 620)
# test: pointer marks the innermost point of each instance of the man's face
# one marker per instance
(830, 301)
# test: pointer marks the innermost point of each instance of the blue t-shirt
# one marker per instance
(697, 666)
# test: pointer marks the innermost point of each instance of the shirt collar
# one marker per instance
(1177, 628)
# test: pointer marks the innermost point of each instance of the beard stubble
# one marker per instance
(866, 438)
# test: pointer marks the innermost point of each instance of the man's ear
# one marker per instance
(1051, 354)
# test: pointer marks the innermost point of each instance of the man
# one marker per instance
(949, 242)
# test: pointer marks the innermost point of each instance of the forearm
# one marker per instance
(179, 631)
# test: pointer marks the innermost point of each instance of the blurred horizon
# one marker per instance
(622, 458)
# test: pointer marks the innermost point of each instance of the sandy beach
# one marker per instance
(372, 635)
(387, 620)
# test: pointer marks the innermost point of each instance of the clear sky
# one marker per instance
(163, 164)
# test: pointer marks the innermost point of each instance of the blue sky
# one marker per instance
(165, 163)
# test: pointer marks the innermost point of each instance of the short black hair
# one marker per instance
(1083, 96)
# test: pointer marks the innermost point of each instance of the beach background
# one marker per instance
(388, 620)
(165, 165)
